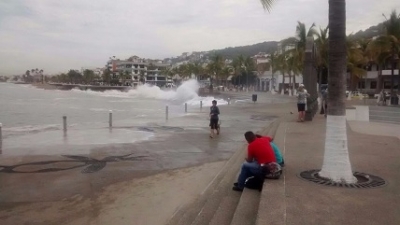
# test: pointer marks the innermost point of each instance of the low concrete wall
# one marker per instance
(90, 87)
(358, 113)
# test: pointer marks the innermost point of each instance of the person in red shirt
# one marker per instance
(259, 153)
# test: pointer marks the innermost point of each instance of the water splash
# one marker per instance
(185, 93)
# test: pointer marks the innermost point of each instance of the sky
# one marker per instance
(58, 35)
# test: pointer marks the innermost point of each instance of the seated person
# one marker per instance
(277, 152)
(278, 155)
(259, 154)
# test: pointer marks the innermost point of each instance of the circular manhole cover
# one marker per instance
(363, 180)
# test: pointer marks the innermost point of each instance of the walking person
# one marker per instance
(325, 101)
(301, 102)
(384, 98)
(214, 112)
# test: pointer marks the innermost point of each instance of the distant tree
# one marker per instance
(215, 67)
(389, 43)
(107, 76)
(88, 76)
(75, 77)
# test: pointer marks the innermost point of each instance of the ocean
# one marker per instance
(32, 117)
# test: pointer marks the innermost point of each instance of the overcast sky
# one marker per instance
(58, 35)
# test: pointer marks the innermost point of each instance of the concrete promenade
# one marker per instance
(182, 173)
(116, 183)
(292, 200)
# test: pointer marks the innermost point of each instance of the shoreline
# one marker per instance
(67, 87)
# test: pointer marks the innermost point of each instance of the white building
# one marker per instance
(268, 81)
(149, 70)
(369, 83)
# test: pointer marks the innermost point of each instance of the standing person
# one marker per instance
(384, 98)
(301, 102)
(259, 154)
(214, 112)
(325, 101)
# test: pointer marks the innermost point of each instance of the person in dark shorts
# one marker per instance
(301, 102)
(214, 112)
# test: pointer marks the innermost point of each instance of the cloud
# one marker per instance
(66, 34)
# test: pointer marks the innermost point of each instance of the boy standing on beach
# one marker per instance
(214, 112)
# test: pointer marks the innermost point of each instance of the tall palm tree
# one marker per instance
(215, 66)
(273, 58)
(355, 61)
(336, 165)
(295, 66)
(322, 52)
(106, 76)
(196, 69)
(41, 76)
(390, 43)
(282, 66)
(302, 33)
(237, 65)
(226, 71)
(248, 66)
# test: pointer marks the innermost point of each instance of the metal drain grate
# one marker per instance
(363, 180)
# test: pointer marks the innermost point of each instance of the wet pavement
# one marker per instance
(50, 166)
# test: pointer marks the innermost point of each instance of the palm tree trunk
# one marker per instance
(290, 84)
(336, 165)
(271, 88)
(379, 82)
(283, 84)
(294, 85)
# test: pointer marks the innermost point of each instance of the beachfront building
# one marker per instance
(268, 81)
(142, 70)
(369, 83)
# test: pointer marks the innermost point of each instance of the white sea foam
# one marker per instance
(187, 92)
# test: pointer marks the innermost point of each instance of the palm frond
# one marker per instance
(267, 4)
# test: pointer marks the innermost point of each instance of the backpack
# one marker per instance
(254, 182)
(272, 170)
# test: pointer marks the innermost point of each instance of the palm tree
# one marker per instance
(237, 65)
(273, 58)
(390, 43)
(196, 69)
(215, 67)
(248, 66)
(336, 165)
(267, 4)
(302, 33)
(322, 52)
(41, 76)
(295, 66)
(225, 73)
(184, 71)
(282, 66)
(355, 61)
(107, 76)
